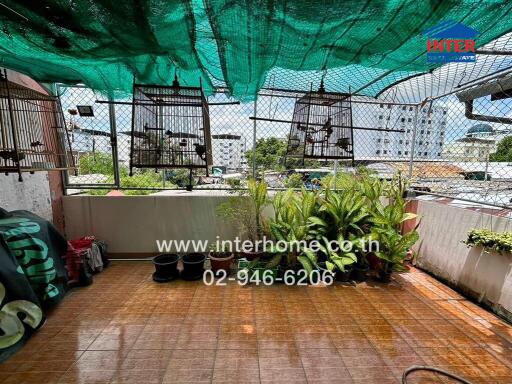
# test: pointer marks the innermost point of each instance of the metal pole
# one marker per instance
(413, 141)
(113, 143)
(254, 139)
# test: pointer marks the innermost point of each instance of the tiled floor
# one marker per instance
(127, 329)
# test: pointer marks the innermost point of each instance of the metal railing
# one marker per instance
(437, 144)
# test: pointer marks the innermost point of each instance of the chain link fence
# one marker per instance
(441, 147)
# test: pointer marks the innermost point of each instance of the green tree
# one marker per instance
(504, 150)
(270, 154)
(96, 163)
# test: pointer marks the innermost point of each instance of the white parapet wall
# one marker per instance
(130, 225)
(486, 277)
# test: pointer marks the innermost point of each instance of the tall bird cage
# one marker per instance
(170, 127)
(322, 127)
(33, 135)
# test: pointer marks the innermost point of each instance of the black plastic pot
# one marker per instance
(166, 267)
(384, 276)
(360, 273)
(344, 276)
(193, 266)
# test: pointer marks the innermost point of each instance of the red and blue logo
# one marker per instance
(451, 42)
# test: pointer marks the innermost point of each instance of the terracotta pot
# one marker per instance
(221, 261)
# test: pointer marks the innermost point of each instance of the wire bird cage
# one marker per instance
(322, 127)
(170, 127)
(33, 135)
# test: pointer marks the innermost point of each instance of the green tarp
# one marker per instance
(103, 43)
(32, 275)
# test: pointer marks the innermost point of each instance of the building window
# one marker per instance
(425, 153)
(409, 119)
(404, 108)
(399, 153)
(389, 106)
(402, 119)
(406, 152)
(385, 152)
(380, 117)
(378, 152)
(410, 108)
(400, 141)
(382, 105)
(422, 121)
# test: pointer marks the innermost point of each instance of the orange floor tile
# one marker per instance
(127, 329)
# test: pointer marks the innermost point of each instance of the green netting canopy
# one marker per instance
(241, 45)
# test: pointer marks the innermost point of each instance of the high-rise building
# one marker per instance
(430, 131)
(229, 151)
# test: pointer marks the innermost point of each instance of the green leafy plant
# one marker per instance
(491, 241)
(245, 209)
(393, 246)
(292, 222)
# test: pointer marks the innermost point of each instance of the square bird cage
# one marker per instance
(322, 127)
(170, 127)
(33, 135)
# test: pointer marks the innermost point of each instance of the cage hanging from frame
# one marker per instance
(170, 127)
(322, 127)
(33, 135)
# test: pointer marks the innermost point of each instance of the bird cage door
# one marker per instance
(33, 134)
(170, 127)
(322, 127)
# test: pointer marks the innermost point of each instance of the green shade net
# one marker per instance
(362, 46)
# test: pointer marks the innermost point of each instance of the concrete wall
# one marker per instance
(486, 277)
(39, 193)
(33, 194)
(131, 224)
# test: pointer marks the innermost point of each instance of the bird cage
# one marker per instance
(170, 127)
(322, 127)
(33, 135)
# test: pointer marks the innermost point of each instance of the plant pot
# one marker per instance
(360, 273)
(384, 276)
(166, 267)
(251, 255)
(259, 271)
(344, 276)
(193, 266)
(221, 261)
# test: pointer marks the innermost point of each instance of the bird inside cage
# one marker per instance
(343, 143)
(200, 150)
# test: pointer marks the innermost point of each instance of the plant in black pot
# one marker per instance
(166, 267)
(245, 210)
(193, 266)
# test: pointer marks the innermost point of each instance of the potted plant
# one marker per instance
(193, 266)
(260, 270)
(490, 241)
(245, 210)
(220, 260)
(291, 225)
(393, 246)
(166, 267)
